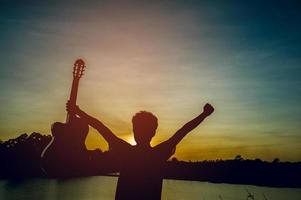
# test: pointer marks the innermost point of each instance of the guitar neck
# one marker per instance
(73, 97)
(78, 70)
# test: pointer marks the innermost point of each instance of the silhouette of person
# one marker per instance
(141, 170)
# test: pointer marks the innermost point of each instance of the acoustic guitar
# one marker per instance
(66, 152)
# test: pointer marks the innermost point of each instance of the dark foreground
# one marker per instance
(20, 158)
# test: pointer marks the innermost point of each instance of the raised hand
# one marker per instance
(208, 109)
(71, 108)
(189, 126)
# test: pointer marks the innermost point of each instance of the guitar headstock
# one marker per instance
(79, 68)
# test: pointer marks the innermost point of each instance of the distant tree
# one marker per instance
(276, 160)
(238, 157)
(258, 160)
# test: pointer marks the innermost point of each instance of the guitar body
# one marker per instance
(66, 154)
(77, 130)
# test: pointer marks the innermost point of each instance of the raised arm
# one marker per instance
(107, 134)
(182, 132)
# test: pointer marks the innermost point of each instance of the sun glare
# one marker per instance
(130, 139)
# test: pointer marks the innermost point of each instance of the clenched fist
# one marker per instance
(208, 109)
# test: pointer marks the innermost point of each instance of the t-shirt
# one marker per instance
(141, 170)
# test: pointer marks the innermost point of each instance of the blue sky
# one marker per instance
(169, 57)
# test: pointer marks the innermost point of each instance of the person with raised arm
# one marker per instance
(141, 165)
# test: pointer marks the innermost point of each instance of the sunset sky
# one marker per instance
(167, 57)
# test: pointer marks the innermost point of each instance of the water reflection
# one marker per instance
(95, 188)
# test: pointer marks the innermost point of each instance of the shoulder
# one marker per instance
(164, 145)
(120, 145)
(165, 149)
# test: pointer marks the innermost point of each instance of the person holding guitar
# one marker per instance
(66, 154)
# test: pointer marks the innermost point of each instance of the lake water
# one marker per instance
(103, 188)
